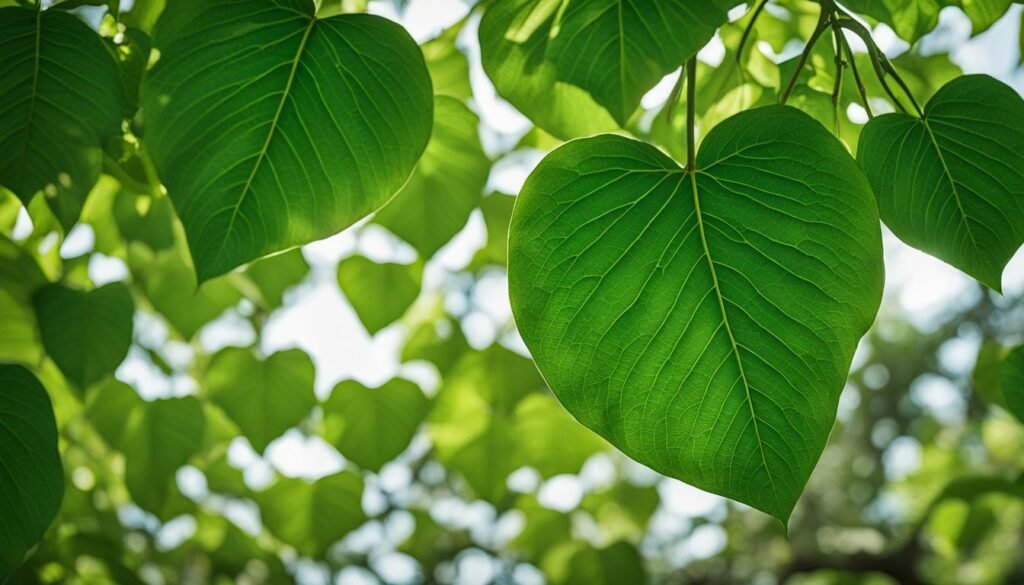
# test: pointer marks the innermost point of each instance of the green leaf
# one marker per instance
(54, 122)
(985, 380)
(144, 218)
(87, 333)
(1012, 381)
(313, 516)
(984, 13)
(439, 341)
(619, 49)
(159, 438)
(449, 67)
(379, 293)
(543, 530)
(264, 398)
(446, 185)
(108, 406)
(514, 37)
(952, 183)
(20, 276)
(274, 275)
(703, 322)
(431, 544)
(32, 485)
(910, 19)
(618, 563)
(301, 127)
(371, 426)
(497, 211)
(552, 442)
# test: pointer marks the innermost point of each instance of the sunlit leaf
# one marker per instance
(274, 275)
(308, 126)
(20, 276)
(33, 481)
(497, 210)
(449, 68)
(313, 516)
(952, 183)
(702, 322)
(380, 293)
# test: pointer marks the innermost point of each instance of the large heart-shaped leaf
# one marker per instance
(87, 333)
(272, 128)
(703, 322)
(952, 183)
(32, 484)
(60, 99)
(619, 49)
(264, 398)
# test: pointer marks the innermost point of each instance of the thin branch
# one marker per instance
(749, 29)
(840, 65)
(823, 22)
(856, 72)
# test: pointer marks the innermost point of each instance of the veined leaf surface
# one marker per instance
(952, 183)
(272, 128)
(703, 322)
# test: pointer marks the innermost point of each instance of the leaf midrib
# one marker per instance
(728, 328)
(952, 182)
(270, 134)
(35, 88)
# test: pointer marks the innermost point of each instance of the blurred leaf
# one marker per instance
(379, 293)
(274, 275)
(371, 426)
(431, 543)
(224, 478)
(132, 50)
(446, 185)
(911, 20)
(87, 333)
(551, 440)
(144, 218)
(487, 460)
(497, 210)
(53, 125)
(439, 341)
(143, 14)
(544, 529)
(623, 511)
(1012, 381)
(616, 564)
(20, 277)
(33, 481)
(987, 371)
(159, 438)
(514, 39)
(265, 397)
(313, 516)
(108, 406)
(297, 94)
(984, 13)
(449, 67)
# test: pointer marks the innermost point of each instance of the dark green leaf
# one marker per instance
(108, 406)
(446, 185)
(379, 293)
(703, 322)
(371, 426)
(32, 484)
(53, 123)
(952, 183)
(87, 333)
(1012, 382)
(301, 128)
(264, 398)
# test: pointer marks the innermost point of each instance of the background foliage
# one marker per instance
(362, 409)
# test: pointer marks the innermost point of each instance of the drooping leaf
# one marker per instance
(446, 185)
(371, 426)
(32, 486)
(87, 333)
(301, 128)
(514, 37)
(952, 183)
(619, 49)
(159, 438)
(379, 293)
(313, 516)
(53, 122)
(1012, 382)
(264, 397)
(910, 19)
(703, 322)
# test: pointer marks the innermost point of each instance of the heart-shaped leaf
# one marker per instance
(87, 333)
(379, 293)
(703, 322)
(371, 426)
(32, 484)
(313, 516)
(54, 120)
(952, 183)
(272, 128)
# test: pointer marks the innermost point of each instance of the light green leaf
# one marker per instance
(371, 426)
(313, 516)
(985, 380)
(618, 563)
(431, 544)
(439, 341)
(87, 333)
(159, 438)
(543, 530)
(984, 13)
(449, 68)
(298, 129)
(1012, 382)
(54, 123)
(552, 442)
(143, 218)
(446, 185)
(264, 398)
(703, 322)
(20, 276)
(108, 405)
(514, 37)
(379, 293)
(274, 275)
(952, 183)
(910, 19)
(619, 49)
(497, 210)
(488, 459)
(32, 485)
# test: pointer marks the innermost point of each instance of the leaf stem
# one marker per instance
(856, 72)
(747, 30)
(823, 23)
(881, 63)
(840, 65)
(691, 115)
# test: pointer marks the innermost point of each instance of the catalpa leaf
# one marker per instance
(952, 182)
(703, 322)
(272, 128)
(55, 118)
(33, 482)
